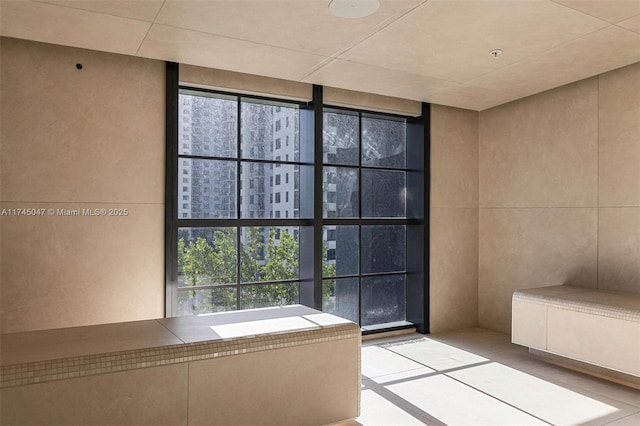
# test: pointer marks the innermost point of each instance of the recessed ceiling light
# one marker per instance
(353, 8)
(495, 52)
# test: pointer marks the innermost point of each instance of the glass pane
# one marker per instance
(270, 131)
(340, 138)
(340, 253)
(270, 191)
(269, 254)
(204, 301)
(340, 192)
(207, 256)
(383, 299)
(340, 297)
(384, 142)
(206, 189)
(383, 193)
(383, 249)
(266, 295)
(207, 125)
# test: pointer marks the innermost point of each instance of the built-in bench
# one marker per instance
(285, 365)
(596, 328)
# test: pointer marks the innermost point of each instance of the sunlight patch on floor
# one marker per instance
(423, 381)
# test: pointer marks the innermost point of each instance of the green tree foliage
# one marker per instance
(201, 263)
(213, 262)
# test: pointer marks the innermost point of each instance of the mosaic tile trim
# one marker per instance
(91, 365)
(592, 308)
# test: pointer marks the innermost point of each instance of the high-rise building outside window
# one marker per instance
(228, 255)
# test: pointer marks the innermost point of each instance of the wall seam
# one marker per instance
(478, 235)
(188, 374)
(598, 182)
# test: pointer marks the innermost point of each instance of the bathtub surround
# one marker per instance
(238, 368)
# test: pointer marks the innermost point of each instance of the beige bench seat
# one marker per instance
(596, 327)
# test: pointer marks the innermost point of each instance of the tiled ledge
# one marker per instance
(190, 338)
(622, 306)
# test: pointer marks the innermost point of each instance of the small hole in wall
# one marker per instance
(79, 66)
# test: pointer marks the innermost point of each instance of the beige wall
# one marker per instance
(454, 219)
(560, 192)
(541, 191)
(80, 139)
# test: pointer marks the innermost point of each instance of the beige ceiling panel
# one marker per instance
(471, 97)
(294, 24)
(196, 48)
(71, 27)
(609, 10)
(520, 26)
(632, 24)
(452, 39)
(593, 54)
(433, 56)
(144, 10)
(372, 79)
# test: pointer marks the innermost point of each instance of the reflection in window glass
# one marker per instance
(269, 254)
(209, 125)
(383, 193)
(383, 299)
(383, 143)
(340, 138)
(192, 302)
(340, 192)
(340, 298)
(383, 249)
(212, 184)
(259, 197)
(260, 129)
(342, 241)
(267, 295)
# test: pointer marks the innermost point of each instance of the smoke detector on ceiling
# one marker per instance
(353, 8)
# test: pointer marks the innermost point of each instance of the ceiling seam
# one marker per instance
(93, 11)
(150, 26)
(625, 28)
(588, 14)
(385, 69)
(243, 40)
(376, 29)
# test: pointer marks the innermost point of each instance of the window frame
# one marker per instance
(309, 230)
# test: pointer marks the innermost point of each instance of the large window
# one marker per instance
(266, 212)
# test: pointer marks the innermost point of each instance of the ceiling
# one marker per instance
(427, 50)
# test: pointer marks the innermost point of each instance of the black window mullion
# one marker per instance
(171, 189)
(360, 217)
(238, 201)
(247, 160)
(318, 194)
